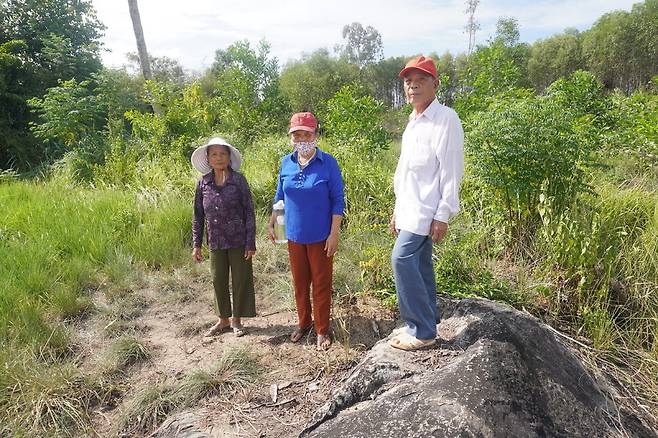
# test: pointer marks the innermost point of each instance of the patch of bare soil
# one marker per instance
(296, 380)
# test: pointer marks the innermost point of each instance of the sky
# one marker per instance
(190, 31)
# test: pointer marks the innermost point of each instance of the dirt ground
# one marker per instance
(297, 378)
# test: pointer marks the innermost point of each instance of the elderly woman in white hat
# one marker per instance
(224, 206)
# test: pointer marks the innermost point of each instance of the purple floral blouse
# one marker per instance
(227, 213)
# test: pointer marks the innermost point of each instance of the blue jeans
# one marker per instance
(415, 283)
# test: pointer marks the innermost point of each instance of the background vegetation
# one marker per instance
(560, 200)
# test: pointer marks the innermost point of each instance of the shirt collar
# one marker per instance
(429, 111)
(210, 177)
(318, 154)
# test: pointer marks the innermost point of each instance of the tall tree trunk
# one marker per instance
(144, 59)
(139, 36)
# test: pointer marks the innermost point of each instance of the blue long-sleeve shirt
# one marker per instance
(311, 195)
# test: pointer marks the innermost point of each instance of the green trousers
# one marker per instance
(232, 260)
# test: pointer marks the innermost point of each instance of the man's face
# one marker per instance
(420, 88)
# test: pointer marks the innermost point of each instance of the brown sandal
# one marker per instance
(299, 333)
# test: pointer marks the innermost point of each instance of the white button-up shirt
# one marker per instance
(430, 169)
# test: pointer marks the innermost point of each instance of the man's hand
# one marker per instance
(391, 226)
(249, 253)
(438, 231)
(196, 255)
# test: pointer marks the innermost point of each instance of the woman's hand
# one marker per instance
(270, 227)
(331, 245)
(249, 253)
(270, 231)
(196, 255)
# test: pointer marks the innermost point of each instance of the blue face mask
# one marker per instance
(305, 148)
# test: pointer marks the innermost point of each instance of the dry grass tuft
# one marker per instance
(233, 373)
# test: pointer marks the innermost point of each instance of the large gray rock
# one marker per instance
(496, 372)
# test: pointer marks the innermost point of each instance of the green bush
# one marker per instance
(523, 149)
(352, 119)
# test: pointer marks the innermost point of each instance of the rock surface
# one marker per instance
(495, 372)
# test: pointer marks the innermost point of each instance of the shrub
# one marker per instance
(354, 120)
(523, 149)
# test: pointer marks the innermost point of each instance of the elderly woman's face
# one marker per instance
(219, 157)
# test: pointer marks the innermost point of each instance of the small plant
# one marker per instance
(124, 352)
(235, 371)
(148, 409)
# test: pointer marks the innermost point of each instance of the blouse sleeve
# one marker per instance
(198, 218)
(279, 185)
(249, 215)
(336, 190)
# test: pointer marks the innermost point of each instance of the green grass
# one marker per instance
(59, 245)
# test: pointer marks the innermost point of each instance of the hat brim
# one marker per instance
(301, 128)
(199, 157)
(406, 70)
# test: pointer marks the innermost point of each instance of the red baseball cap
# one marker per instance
(421, 63)
(303, 122)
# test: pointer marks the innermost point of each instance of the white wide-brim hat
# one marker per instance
(200, 155)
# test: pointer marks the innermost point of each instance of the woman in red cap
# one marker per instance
(311, 186)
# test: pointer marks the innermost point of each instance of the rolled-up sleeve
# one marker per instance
(336, 189)
(451, 170)
(199, 217)
(249, 215)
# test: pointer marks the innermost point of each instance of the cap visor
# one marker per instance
(406, 70)
(301, 128)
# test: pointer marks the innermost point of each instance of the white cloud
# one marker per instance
(191, 31)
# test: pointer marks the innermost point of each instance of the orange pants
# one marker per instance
(310, 265)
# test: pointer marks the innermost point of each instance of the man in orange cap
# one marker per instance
(426, 184)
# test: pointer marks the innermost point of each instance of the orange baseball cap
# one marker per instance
(303, 122)
(421, 63)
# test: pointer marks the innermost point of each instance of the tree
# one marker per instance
(447, 71)
(363, 46)
(16, 145)
(554, 58)
(144, 59)
(308, 83)
(163, 68)
(507, 32)
(260, 70)
(382, 81)
(472, 26)
(44, 41)
(620, 48)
